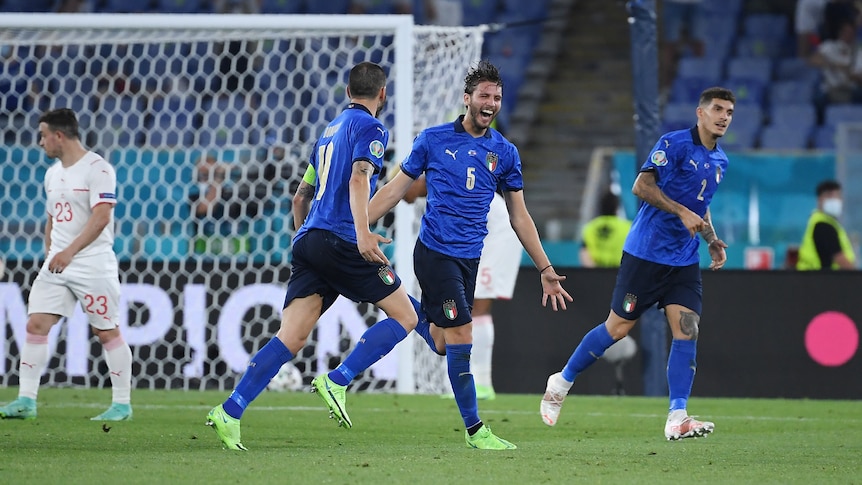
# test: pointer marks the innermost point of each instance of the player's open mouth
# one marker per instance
(486, 113)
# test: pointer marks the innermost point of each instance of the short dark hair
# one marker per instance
(609, 204)
(366, 80)
(827, 186)
(62, 120)
(483, 72)
(709, 94)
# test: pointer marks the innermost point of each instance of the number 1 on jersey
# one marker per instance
(324, 157)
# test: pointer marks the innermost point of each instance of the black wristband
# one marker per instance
(546, 267)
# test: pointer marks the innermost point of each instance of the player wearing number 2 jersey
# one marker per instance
(80, 266)
(334, 252)
(660, 262)
(465, 163)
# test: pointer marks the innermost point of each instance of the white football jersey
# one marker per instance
(71, 195)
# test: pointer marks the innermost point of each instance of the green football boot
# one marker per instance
(484, 439)
(226, 428)
(334, 397)
(21, 408)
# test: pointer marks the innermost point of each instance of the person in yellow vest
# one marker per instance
(603, 237)
(825, 244)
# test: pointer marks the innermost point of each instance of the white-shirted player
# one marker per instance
(81, 265)
(495, 280)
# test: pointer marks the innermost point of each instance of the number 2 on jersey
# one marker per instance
(702, 188)
(324, 159)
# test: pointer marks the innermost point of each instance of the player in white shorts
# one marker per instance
(80, 266)
(495, 280)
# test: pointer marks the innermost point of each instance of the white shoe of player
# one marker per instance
(679, 426)
(552, 401)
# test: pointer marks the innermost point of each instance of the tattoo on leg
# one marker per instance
(688, 324)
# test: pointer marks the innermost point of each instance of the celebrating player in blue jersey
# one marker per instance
(334, 252)
(660, 260)
(465, 163)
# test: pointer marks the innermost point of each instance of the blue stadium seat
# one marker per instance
(791, 92)
(842, 113)
(282, 6)
(329, 7)
(722, 8)
(747, 91)
(700, 67)
(757, 68)
(786, 137)
(795, 68)
(776, 26)
(757, 46)
(525, 10)
(736, 139)
(183, 6)
(678, 116)
(478, 12)
(26, 5)
(123, 6)
(824, 137)
(800, 115)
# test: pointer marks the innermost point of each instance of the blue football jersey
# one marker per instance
(354, 135)
(689, 173)
(462, 173)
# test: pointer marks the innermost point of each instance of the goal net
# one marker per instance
(209, 121)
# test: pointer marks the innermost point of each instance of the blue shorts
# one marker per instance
(329, 266)
(641, 283)
(447, 285)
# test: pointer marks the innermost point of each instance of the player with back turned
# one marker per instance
(660, 260)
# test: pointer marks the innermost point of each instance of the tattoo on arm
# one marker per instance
(708, 231)
(688, 322)
(305, 191)
(653, 195)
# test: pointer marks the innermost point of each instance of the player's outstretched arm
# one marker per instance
(646, 188)
(387, 197)
(367, 242)
(525, 228)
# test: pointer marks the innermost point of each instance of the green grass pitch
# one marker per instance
(420, 439)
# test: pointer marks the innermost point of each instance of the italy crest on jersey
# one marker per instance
(629, 302)
(386, 275)
(717, 174)
(491, 161)
(450, 309)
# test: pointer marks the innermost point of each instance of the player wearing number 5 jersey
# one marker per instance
(334, 252)
(80, 266)
(465, 162)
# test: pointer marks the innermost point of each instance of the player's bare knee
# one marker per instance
(689, 325)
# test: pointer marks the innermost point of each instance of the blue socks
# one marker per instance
(681, 366)
(263, 367)
(592, 346)
(376, 342)
(423, 328)
(458, 361)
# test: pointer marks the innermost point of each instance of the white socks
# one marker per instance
(118, 356)
(483, 347)
(34, 360)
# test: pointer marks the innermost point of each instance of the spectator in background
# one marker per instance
(682, 28)
(825, 244)
(841, 64)
(808, 20)
(602, 241)
(216, 229)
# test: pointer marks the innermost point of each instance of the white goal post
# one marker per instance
(155, 95)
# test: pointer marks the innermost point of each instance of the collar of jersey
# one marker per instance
(459, 127)
(358, 106)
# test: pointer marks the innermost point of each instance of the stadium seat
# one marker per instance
(282, 6)
(824, 137)
(747, 91)
(757, 68)
(775, 26)
(329, 7)
(786, 137)
(700, 67)
(524, 10)
(678, 116)
(759, 46)
(800, 115)
(842, 113)
(26, 5)
(794, 68)
(478, 12)
(123, 6)
(737, 139)
(183, 6)
(791, 92)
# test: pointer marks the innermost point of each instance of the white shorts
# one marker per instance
(501, 255)
(57, 294)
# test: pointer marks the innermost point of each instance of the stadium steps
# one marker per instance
(585, 103)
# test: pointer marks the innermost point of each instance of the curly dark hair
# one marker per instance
(483, 72)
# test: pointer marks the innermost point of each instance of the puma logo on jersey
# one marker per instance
(450, 152)
(693, 163)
